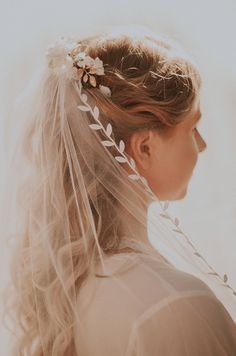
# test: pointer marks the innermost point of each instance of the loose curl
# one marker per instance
(153, 85)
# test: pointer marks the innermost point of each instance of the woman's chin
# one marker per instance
(182, 194)
(178, 195)
(172, 196)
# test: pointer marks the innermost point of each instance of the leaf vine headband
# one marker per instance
(67, 56)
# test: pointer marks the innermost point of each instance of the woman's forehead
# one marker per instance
(194, 115)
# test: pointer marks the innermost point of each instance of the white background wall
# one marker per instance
(207, 28)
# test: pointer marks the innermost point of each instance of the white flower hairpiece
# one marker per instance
(67, 57)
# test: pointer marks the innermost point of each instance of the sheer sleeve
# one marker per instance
(196, 325)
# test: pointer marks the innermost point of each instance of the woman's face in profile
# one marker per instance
(168, 162)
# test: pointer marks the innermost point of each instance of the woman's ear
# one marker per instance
(141, 148)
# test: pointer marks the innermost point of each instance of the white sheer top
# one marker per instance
(151, 308)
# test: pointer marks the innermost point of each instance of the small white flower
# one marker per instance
(65, 57)
(80, 59)
(83, 60)
(57, 56)
(98, 64)
(88, 61)
(105, 90)
(80, 56)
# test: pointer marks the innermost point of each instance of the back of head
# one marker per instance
(153, 81)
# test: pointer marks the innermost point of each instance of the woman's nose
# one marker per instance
(202, 144)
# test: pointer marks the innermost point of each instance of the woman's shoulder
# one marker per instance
(149, 278)
(155, 273)
(174, 279)
(195, 323)
(152, 303)
(180, 304)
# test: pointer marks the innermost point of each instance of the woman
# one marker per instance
(111, 128)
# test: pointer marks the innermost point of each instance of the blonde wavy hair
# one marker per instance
(153, 84)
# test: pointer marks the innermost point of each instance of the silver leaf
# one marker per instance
(95, 126)
(120, 159)
(107, 143)
(83, 108)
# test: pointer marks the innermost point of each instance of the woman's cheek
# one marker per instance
(194, 153)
